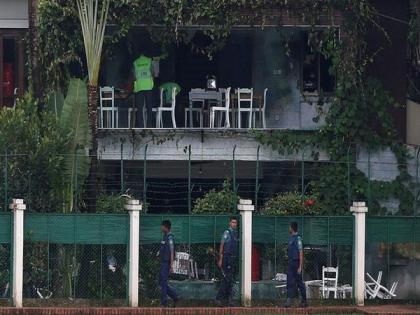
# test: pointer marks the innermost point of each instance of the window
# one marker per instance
(316, 75)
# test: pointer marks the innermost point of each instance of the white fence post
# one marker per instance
(359, 210)
(18, 208)
(246, 208)
(133, 207)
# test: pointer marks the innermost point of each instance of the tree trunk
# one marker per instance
(92, 185)
(37, 90)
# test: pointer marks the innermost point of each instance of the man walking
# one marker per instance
(167, 256)
(295, 266)
(227, 262)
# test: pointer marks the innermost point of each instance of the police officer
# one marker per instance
(227, 261)
(295, 266)
(167, 256)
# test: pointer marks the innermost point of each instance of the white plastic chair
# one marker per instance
(222, 109)
(386, 294)
(245, 96)
(329, 283)
(162, 108)
(107, 106)
(260, 111)
(372, 287)
(344, 290)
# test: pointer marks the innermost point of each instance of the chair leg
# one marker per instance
(239, 118)
(185, 118)
(158, 118)
(173, 119)
(220, 119)
(201, 119)
(250, 120)
(227, 119)
(211, 119)
(264, 121)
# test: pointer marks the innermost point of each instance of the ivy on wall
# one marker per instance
(359, 113)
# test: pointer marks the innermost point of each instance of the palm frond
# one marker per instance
(74, 120)
(93, 22)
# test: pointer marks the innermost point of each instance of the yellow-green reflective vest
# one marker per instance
(143, 72)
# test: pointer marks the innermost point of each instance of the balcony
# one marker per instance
(293, 75)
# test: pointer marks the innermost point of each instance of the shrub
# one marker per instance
(216, 201)
(291, 203)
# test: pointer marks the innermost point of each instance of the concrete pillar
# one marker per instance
(18, 208)
(359, 211)
(133, 207)
(245, 207)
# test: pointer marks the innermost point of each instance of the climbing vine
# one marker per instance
(359, 111)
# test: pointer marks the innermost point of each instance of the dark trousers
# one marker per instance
(165, 289)
(294, 278)
(144, 99)
(228, 268)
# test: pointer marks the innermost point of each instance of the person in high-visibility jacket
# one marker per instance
(143, 89)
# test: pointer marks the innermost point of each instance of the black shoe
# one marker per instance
(288, 303)
(303, 304)
(230, 304)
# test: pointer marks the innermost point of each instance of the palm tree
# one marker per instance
(34, 50)
(93, 21)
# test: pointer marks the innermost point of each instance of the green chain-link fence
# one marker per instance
(199, 237)
(327, 241)
(393, 252)
(5, 256)
(78, 258)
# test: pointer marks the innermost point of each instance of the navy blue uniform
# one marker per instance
(230, 253)
(166, 246)
(294, 278)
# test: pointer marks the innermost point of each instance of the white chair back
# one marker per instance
(245, 96)
(106, 103)
(329, 279)
(173, 97)
(106, 96)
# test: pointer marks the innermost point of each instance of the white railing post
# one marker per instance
(133, 207)
(245, 207)
(18, 208)
(359, 211)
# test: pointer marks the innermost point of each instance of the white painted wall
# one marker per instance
(13, 13)
(208, 145)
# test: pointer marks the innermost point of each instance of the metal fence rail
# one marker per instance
(175, 186)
